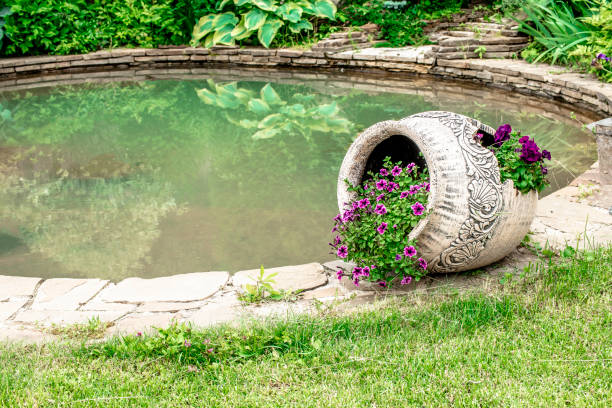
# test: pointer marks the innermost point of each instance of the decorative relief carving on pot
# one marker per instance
(485, 194)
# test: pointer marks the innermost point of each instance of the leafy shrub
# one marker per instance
(520, 159)
(570, 33)
(245, 18)
(78, 26)
(401, 25)
(373, 231)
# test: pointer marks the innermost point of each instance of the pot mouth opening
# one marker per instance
(399, 148)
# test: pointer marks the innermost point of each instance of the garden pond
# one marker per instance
(211, 172)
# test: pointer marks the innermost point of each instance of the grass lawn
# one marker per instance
(544, 339)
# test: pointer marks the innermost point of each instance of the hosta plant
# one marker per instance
(268, 115)
(373, 230)
(243, 19)
(520, 159)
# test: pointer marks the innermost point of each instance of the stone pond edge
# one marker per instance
(551, 82)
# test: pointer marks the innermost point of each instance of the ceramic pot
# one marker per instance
(474, 219)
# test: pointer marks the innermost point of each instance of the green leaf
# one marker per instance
(325, 8)
(258, 106)
(267, 5)
(299, 26)
(265, 133)
(248, 124)
(240, 32)
(224, 35)
(221, 20)
(267, 32)
(203, 27)
(254, 19)
(290, 11)
(223, 3)
(329, 110)
(269, 95)
(270, 120)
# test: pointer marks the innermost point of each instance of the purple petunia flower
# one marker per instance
(380, 197)
(342, 251)
(364, 203)
(337, 240)
(478, 136)
(406, 280)
(502, 134)
(404, 194)
(394, 225)
(422, 263)
(409, 251)
(397, 170)
(338, 217)
(417, 208)
(410, 167)
(384, 172)
(398, 257)
(365, 271)
(523, 139)
(544, 170)
(380, 209)
(382, 283)
(603, 56)
(372, 266)
(546, 154)
(339, 274)
(356, 272)
(382, 228)
(413, 189)
(206, 341)
(381, 184)
(139, 334)
(425, 185)
(530, 152)
(365, 187)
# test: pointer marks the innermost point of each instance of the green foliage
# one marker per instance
(79, 26)
(571, 33)
(399, 26)
(269, 115)
(94, 328)
(373, 231)
(480, 51)
(245, 19)
(4, 12)
(262, 290)
(556, 26)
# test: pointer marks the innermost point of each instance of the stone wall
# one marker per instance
(583, 91)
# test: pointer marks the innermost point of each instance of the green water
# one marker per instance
(145, 178)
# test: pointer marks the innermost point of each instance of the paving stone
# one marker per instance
(7, 309)
(66, 294)
(178, 288)
(24, 335)
(325, 292)
(142, 322)
(97, 304)
(169, 306)
(296, 277)
(214, 314)
(48, 317)
(17, 286)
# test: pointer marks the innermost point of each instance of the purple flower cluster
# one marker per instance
(602, 56)
(502, 134)
(376, 205)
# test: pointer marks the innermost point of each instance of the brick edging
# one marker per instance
(543, 80)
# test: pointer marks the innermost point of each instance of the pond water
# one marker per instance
(159, 177)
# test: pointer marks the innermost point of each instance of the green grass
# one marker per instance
(544, 339)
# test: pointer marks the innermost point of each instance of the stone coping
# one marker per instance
(552, 82)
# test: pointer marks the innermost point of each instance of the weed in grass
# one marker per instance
(94, 328)
(262, 290)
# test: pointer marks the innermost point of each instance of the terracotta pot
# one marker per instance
(474, 219)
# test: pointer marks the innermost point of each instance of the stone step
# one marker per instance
(340, 48)
(472, 55)
(348, 34)
(489, 48)
(454, 41)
